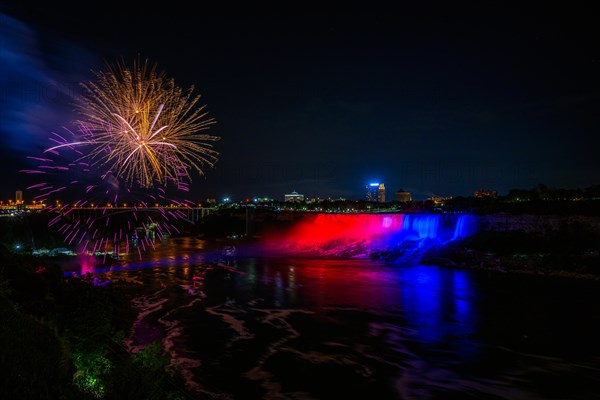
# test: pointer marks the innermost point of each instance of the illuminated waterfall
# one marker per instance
(393, 237)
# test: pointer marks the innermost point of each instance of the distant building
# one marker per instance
(294, 197)
(19, 196)
(372, 191)
(485, 193)
(402, 196)
(439, 200)
(381, 193)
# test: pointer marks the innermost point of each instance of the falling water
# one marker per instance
(393, 237)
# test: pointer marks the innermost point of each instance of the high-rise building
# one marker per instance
(372, 191)
(381, 193)
(402, 196)
(19, 196)
(375, 192)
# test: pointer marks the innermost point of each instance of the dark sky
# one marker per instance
(434, 101)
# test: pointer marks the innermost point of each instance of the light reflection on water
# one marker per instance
(279, 327)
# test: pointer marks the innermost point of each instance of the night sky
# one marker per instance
(438, 102)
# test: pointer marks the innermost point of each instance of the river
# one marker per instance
(318, 329)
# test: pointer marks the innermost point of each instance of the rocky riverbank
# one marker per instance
(550, 245)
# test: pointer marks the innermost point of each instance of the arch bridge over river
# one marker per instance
(189, 214)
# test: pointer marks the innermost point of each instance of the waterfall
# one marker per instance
(462, 227)
(424, 225)
(388, 236)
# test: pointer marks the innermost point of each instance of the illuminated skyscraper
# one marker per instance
(381, 193)
(372, 191)
(376, 192)
(19, 196)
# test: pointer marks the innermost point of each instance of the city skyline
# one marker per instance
(435, 103)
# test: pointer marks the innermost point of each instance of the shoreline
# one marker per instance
(517, 264)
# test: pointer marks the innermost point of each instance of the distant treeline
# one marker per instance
(543, 192)
(539, 200)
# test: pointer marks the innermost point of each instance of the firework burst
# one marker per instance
(142, 127)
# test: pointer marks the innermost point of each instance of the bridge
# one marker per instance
(191, 214)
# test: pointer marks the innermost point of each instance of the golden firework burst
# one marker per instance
(142, 127)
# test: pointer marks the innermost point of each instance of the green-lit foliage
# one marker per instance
(152, 358)
(93, 371)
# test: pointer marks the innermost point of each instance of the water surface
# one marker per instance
(310, 328)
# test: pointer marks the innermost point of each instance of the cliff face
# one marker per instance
(552, 245)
